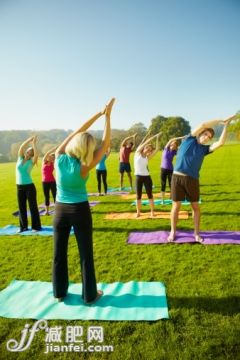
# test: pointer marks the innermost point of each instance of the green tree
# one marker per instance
(170, 127)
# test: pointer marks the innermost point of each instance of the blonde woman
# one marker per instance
(26, 190)
(75, 157)
(143, 154)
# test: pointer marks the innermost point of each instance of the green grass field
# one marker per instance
(203, 282)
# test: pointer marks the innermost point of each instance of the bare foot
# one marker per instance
(152, 215)
(198, 238)
(99, 294)
(171, 237)
(137, 215)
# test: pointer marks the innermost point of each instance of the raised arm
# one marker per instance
(141, 146)
(124, 142)
(173, 140)
(84, 127)
(98, 154)
(134, 142)
(35, 151)
(223, 136)
(156, 147)
(24, 145)
(108, 151)
(49, 152)
(145, 137)
(210, 124)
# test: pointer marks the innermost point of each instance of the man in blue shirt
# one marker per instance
(185, 180)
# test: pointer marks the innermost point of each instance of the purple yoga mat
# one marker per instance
(182, 237)
(111, 193)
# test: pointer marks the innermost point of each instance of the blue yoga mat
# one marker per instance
(125, 188)
(121, 301)
(164, 202)
(12, 230)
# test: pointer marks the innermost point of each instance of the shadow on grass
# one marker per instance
(219, 213)
(222, 200)
(121, 301)
(125, 230)
(225, 306)
(220, 193)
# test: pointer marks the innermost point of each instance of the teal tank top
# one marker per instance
(71, 187)
(101, 165)
(23, 171)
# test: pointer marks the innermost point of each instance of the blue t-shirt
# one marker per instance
(23, 171)
(190, 156)
(71, 187)
(101, 165)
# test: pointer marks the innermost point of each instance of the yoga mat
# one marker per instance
(51, 211)
(12, 230)
(164, 202)
(144, 196)
(50, 205)
(121, 301)
(182, 237)
(125, 188)
(111, 193)
(132, 216)
(155, 201)
(91, 203)
(41, 212)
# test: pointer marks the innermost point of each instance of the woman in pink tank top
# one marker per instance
(48, 179)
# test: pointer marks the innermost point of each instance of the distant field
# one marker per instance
(203, 282)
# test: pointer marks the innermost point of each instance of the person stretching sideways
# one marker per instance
(126, 148)
(75, 157)
(185, 180)
(101, 173)
(143, 154)
(169, 151)
(26, 190)
(48, 180)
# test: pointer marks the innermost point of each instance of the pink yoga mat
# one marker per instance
(182, 237)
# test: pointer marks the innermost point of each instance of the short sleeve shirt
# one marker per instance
(190, 156)
(167, 158)
(125, 154)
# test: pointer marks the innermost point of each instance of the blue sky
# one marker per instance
(61, 60)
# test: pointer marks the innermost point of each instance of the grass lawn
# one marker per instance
(203, 282)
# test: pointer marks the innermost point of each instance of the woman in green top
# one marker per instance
(26, 190)
(75, 157)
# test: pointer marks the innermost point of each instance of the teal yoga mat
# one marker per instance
(121, 301)
(12, 230)
(164, 202)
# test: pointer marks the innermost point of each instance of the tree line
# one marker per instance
(169, 127)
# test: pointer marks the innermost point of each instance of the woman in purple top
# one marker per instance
(168, 154)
